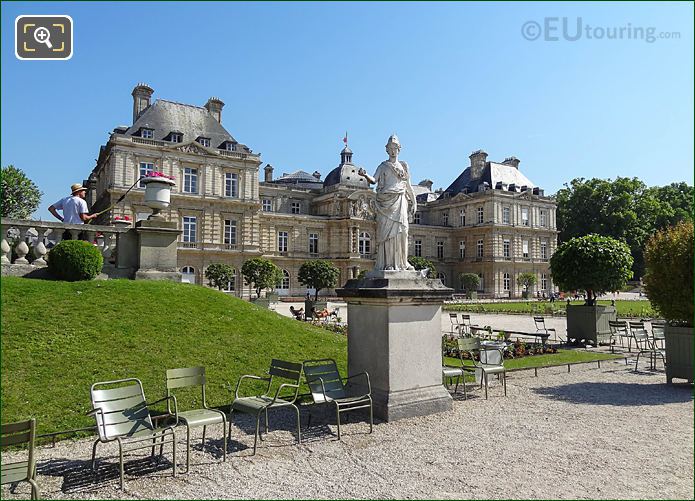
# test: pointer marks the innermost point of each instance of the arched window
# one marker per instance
(188, 274)
(442, 276)
(365, 244)
(285, 284)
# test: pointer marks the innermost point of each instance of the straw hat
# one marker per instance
(77, 187)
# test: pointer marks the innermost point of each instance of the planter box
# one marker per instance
(589, 323)
(679, 353)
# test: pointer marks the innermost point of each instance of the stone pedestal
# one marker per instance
(394, 334)
(157, 256)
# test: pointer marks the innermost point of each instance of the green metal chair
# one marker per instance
(619, 331)
(122, 414)
(327, 387)
(23, 432)
(491, 360)
(260, 404)
(188, 378)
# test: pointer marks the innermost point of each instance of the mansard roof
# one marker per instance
(492, 174)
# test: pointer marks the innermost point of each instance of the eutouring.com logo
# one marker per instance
(555, 29)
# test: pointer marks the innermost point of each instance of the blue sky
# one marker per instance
(448, 78)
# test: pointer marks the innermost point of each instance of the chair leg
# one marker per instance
(337, 415)
(371, 414)
(188, 448)
(637, 361)
(267, 428)
(35, 493)
(465, 392)
(504, 382)
(224, 438)
(299, 425)
(485, 379)
(205, 428)
(255, 438)
(173, 451)
(94, 454)
(120, 463)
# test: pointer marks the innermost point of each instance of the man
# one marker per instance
(74, 207)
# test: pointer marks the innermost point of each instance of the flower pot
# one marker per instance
(679, 353)
(589, 324)
(157, 194)
(121, 222)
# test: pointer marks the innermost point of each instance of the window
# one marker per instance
(416, 218)
(229, 146)
(267, 205)
(147, 133)
(314, 244)
(229, 234)
(188, 275)
(205, 141)
(524, 216)
(506, 281)
(524, 248)
(445, 219)
(146, 168)
(544, 249)
(506, 248)
(481, 287)
(544, 281)
(231, 285)
(231, 184)
(418, 248)
(283, 240)
(479, 249)
(295, 207)
(364, 244)
(505, 215)
(480, 215)
(285, 283)
(190, 180)
(175, 137)
(189, 229)
(462, 217)
(442, 276)
(543, 218)
(462, 249)
(440, 250)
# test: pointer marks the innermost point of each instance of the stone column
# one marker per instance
(157, 250)
(394, 334)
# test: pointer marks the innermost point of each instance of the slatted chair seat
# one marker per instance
(328, 387)
(122, 415)
(13, 434)
(290, 373)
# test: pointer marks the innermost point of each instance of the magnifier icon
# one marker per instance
(42, 35)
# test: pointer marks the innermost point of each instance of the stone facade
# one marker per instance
(227, 214)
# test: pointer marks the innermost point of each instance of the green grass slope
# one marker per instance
(58, 338)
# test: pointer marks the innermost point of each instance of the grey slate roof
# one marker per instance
(346, 174)
(492, 174)
(300, 179)
(193, 121)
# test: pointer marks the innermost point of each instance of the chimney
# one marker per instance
(268, 169)
(142, 93)
(513, 161)
(478, 161)
(317, 175)
(426, 183)
(214, 106)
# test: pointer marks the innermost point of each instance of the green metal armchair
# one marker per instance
(23, 432)
(122, 414)
(491, 360)
(328, 387)
(187, 378)
(260, 404)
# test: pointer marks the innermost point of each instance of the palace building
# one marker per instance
(491, 220)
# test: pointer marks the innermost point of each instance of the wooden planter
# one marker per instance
(590, 323)
(679, 353)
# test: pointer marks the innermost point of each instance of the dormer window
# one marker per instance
(205, 141)
(174, 137)
(230, 146)
(146, 133)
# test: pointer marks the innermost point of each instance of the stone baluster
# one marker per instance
(75, 234)
(108, 247)
(90, 236)
(6, 249)
(39, 253)
(22, 250)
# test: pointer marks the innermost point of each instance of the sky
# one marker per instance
(448, 78)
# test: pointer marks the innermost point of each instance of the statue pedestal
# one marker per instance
(394, 334)
(157, 255)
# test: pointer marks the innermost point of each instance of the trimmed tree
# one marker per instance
(420, 263)
(526, 280)
(318, 274)
(20, 196)
(470, 281)
(592, 263)
(261, 274)
(219, 275)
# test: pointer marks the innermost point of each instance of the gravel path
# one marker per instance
(593, 433)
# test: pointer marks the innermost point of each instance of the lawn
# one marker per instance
(632, 309)
(561, 357)
(58, 338)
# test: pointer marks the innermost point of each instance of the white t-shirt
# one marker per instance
(72, 207)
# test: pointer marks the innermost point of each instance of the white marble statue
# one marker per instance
(395, 201)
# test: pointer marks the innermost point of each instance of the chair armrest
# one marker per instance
(366, 375)
(93, 412)
(176, 406)
(248, 376)
(285, 385)
(323, 387)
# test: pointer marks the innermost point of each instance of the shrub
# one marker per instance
(420, 263)
(219, 275)
(469, 281)
(669, 277)
(592, 263)
(261, 273)
(74, 260)
(20, 195)
(318, 274)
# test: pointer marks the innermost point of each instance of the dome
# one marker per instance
(345, 175)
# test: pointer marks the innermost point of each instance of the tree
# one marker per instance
(470, 281)
(20, 196)
(420, 263)
(261, 274)
(669, 278)
(527, 280)
(591, 263)
(318, 274)
(219, 275)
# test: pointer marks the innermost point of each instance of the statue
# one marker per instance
(395, 201)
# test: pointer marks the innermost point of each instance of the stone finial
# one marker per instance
(22, 250)
(39, 253)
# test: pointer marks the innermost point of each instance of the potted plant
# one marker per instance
(121, 221)
(470, 283)
(262, 274)
(317, 274)
(669, 285)
(157, 192)
(526, 280)
(596, 265)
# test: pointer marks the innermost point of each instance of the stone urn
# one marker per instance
(157, 194)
